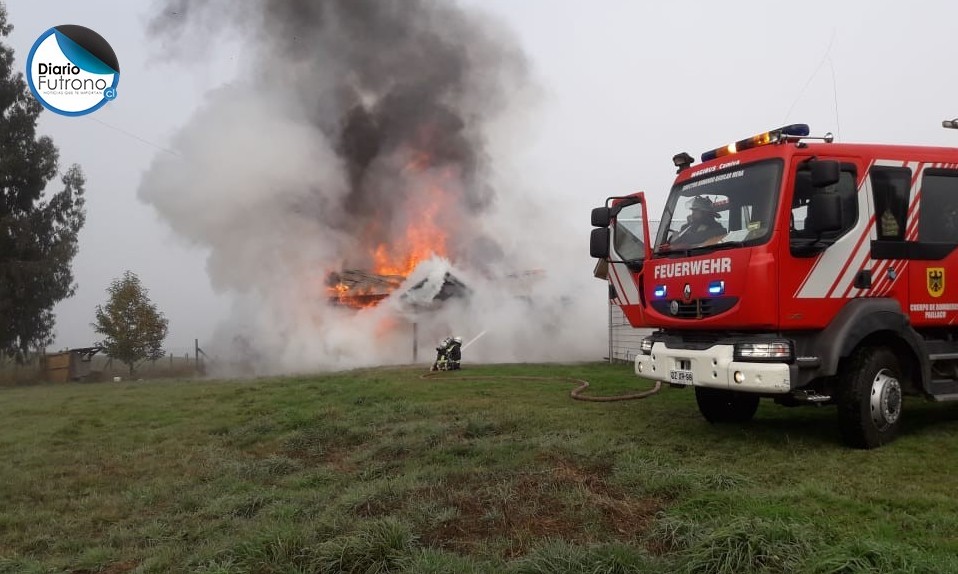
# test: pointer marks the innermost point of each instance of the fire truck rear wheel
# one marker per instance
(870, 398)
(720, 406)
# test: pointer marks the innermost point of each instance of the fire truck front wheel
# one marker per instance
(870, 398)
(720, 406)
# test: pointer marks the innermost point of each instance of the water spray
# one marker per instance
(476, 338)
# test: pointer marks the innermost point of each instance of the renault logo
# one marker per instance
(687, 292)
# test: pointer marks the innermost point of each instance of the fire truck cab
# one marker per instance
(797, 269)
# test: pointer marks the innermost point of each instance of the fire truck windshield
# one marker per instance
(724, 208)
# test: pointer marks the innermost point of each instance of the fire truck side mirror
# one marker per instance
(824, 172)
(601, 217)
(599, 243)
(824, 213)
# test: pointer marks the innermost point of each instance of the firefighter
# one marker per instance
(701, 224)
(454, 354)
(448, 354)
(440, 364)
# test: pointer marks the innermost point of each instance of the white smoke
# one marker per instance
(280, 188)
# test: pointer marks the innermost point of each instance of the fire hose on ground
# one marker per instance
(576, 393)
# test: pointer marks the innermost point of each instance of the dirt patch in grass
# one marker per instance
(380, 506)
(623, 514)
(325, 444)
(566, 501)
(338, 461)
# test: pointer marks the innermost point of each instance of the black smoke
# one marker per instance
(401, 90)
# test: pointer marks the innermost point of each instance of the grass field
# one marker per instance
(381, 471)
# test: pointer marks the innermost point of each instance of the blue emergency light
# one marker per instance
(716, 287)
(659, 291)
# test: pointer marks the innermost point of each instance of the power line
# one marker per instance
(136, 137)
(801, 92)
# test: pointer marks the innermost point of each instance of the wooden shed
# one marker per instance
(70, 365)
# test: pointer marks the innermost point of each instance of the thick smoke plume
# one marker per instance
(358, 137)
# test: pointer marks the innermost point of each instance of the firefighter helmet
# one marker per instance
(705, 204)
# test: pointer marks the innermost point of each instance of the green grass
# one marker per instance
(378, 471)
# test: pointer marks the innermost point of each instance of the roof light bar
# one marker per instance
(766, 138)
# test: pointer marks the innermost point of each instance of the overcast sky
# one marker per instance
(624, 85)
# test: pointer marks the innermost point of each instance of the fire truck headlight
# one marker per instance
(765, 351)
(646, 346)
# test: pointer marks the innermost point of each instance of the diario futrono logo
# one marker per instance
(72, 70)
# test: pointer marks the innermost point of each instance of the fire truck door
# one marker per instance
(821, 268)
(891, 194)
(628, 252)
(934, 274)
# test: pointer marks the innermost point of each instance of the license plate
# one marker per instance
(680, 377)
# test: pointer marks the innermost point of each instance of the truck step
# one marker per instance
(814, 397)
(944, 390)
(943, 357)
(808, 362)
(941, 347)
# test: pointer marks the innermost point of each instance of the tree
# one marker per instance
(38, 234)
(133, 327)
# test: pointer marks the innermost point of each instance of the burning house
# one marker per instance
(359, 289)
(352, 149)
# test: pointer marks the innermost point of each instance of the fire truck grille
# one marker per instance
(695, 308)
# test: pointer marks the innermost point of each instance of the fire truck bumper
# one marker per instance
(715, 368)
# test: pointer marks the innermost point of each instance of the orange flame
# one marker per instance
(355, 298)
(423, 237)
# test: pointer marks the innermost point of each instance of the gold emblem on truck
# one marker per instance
(936, 281)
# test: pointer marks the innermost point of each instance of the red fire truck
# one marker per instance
(795, 268)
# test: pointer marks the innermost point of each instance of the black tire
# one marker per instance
(869, 398)
(720, 406)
